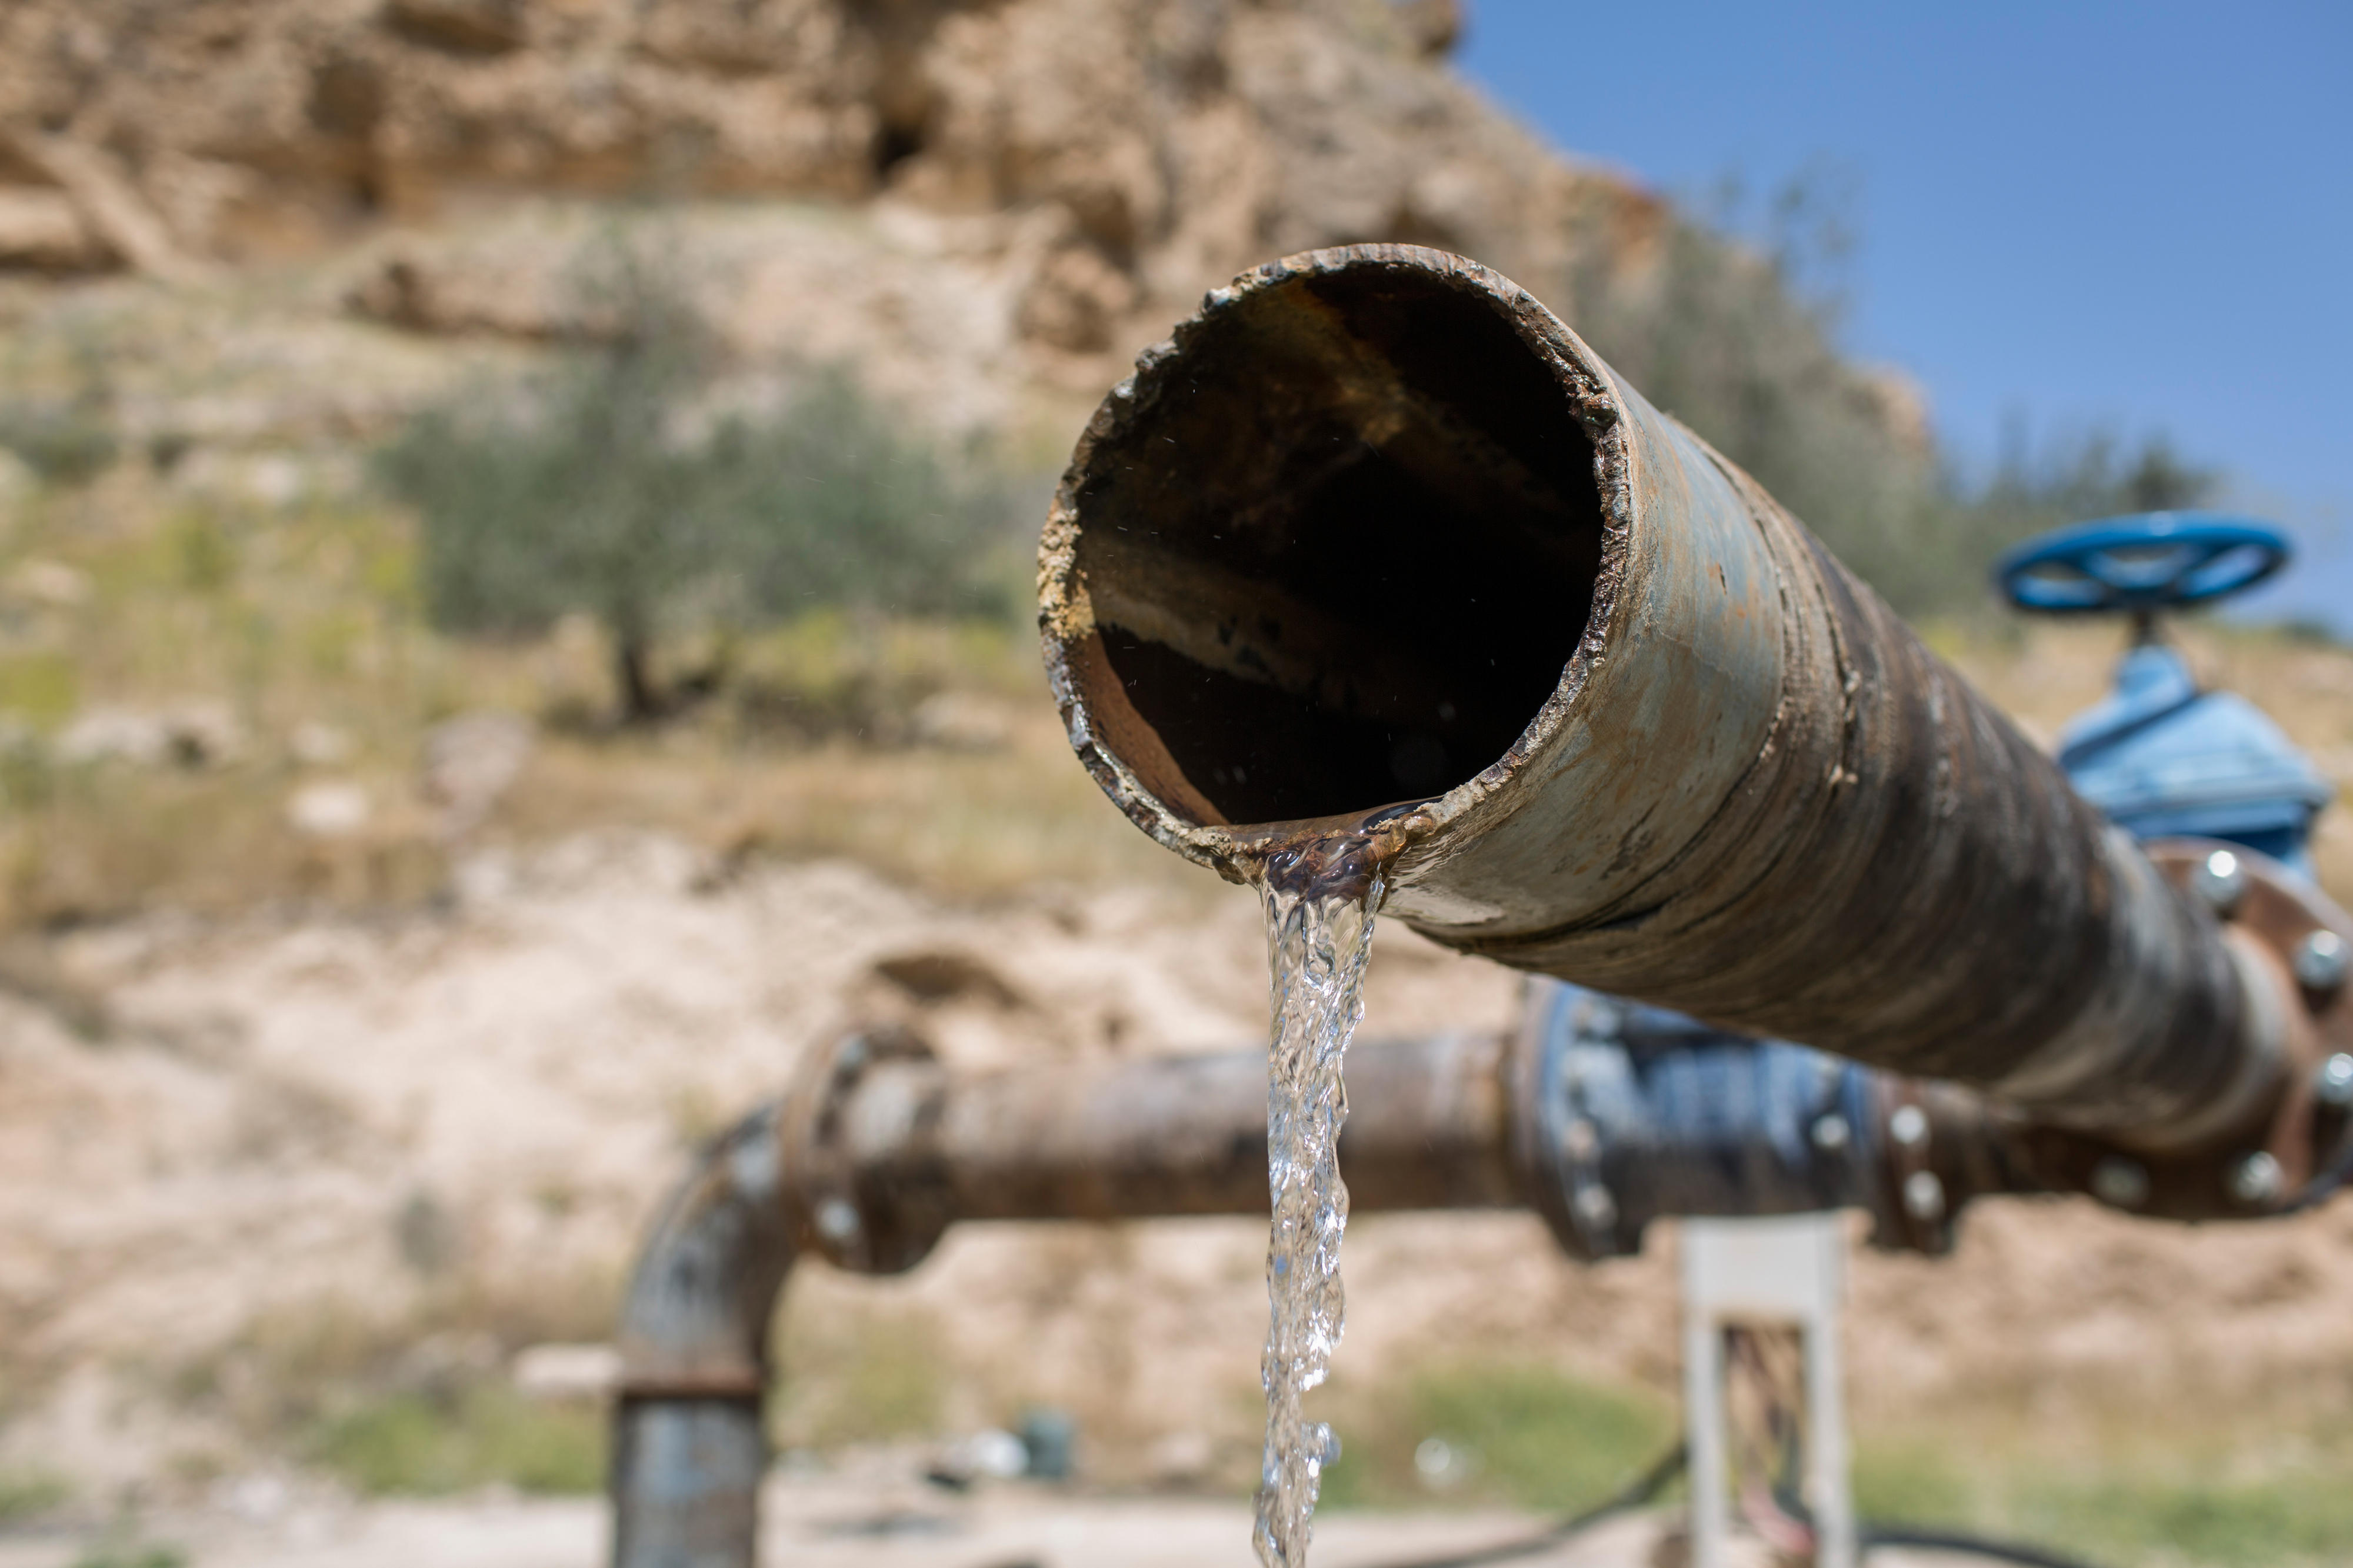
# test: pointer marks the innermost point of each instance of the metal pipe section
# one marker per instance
(689, 1441)
(1180, 1135)
(1583, 1116)
(1377, 544)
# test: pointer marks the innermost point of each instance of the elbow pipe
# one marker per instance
(1581, 1115)
(690, 1443)
(1376, 543)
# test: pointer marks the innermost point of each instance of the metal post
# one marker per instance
(1711, 1525)
(1788, 1269)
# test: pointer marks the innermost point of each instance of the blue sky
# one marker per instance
(2132, 215)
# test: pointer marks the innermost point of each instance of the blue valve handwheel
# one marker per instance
(2151, 561)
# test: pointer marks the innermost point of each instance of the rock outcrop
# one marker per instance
(1103, 161)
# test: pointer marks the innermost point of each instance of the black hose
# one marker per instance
(1871, 1534)
(1633, 1495)
(1875, 1536)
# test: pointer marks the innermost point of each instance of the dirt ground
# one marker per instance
(832, 1524)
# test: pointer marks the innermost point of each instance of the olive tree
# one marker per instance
(612, 485)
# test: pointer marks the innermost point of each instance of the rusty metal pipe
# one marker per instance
(690, 1443)
(1182, 1135)
(878, 1148)
(1377, 544)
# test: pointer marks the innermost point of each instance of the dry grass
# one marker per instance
(409, 1395)
(296, 622)
(2230, 1477)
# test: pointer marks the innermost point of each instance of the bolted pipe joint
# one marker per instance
(875, 1088)
(1628, 1113)
(2277, 1133)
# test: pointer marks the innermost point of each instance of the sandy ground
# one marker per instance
(824, 1524)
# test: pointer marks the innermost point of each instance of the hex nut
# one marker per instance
(2255, 1178)
(2321, 960)
(1908, 1126)
(2222, 880)
(838, 1220)
(1924, 1196)
(2333, 1084)
(2120, 1182)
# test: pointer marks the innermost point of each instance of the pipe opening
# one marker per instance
(1340, 551)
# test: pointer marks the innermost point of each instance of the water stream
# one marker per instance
(1319, 899)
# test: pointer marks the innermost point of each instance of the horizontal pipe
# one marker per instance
(1179, 1135)
(1377, 544)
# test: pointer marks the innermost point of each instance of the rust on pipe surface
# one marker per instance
(1376, 534)
(1179, 1135)
(690, 1443)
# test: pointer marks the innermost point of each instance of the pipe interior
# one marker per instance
(1343, 551)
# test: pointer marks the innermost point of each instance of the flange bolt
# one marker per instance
(2333, 1085)
(2255, 1178)
(1924, 1196)
(838, 1220)
(2120, 1182)
(2320, 960)
(2222, 881)
(1908, 1126)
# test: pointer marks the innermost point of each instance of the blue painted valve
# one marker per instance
(2140, 564)
(2160, 756)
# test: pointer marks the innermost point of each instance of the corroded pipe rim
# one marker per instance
(1089, 696)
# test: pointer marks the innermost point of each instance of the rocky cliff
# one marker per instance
(1091, 165)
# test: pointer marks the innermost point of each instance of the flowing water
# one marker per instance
(1320, 899)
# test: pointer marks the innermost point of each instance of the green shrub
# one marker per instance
(115, 1552)
(428, 1443)
(64, 443)
(40, 688)
(616, 486)
(68, 436)
(26, 1492)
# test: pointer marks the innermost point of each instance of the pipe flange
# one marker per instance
(1560, 1143)
(2281, 1123)
(1913, 1210)
(853, 1223)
